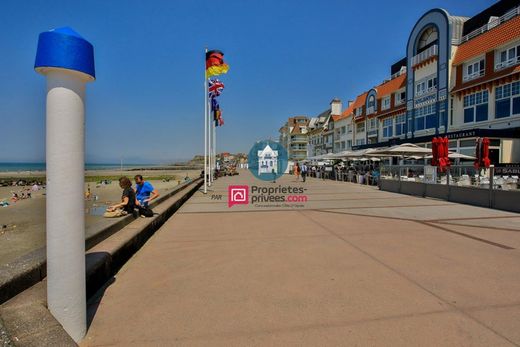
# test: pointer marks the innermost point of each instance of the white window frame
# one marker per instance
(477, 67)
(372, 124)
(397, 118)
(360, 125)
(512, 52)
(385, 103)
(513, 93)
(398, 100)
(426, 85)
(472, 101)
(359, 111)
(385, 126)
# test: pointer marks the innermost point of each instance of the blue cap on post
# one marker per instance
(66, 49)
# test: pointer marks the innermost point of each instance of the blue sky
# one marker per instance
(286, 58)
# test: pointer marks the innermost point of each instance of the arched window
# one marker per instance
(371, 104)
(371, 101)
(428, 37)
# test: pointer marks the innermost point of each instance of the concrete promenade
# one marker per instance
(354, 266)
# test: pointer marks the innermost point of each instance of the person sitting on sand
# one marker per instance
(128, 201)
(144, 191)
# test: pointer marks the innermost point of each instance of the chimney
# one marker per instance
(335, 107)
(350, 102)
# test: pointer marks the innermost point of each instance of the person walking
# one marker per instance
(296, 171)
(304, 171)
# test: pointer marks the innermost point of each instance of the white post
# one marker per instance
(67, 60)
(66, 294)
(205, 132)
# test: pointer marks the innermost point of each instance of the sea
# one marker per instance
(23, 167)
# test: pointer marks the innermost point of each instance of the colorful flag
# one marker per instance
(214, 104)
(215, 63)
(217, 113)
(215, 87)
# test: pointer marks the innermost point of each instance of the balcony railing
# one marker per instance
(507, 63)
(509, 15)
(399, 102)
(426, 54)
(472, 76)
(426, 91)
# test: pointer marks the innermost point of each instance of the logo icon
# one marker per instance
(267, 160)
(238, 195)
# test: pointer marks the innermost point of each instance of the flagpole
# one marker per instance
(205, 127)
(210, 178)
(214, 147)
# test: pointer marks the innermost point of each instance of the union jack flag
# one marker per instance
(215, 87)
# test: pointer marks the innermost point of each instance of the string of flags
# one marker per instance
(215, 66)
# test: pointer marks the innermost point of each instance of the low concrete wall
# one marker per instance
(389, 186)
(31, 268)
(437, 191)
(506, 200)
(413, 188)
(470, 196)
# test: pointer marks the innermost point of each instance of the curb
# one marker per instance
(29, 269)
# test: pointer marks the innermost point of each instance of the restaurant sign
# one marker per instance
(461, 134)
(507, 169)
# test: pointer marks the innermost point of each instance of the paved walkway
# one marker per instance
(354, 267)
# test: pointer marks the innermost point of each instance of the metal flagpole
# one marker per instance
(205, 128)
(210, 178)
(214, 147)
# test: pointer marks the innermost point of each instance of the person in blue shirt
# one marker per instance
(144, 191)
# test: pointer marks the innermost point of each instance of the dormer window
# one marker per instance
(474, 69)
(508, 56)
(385, 103)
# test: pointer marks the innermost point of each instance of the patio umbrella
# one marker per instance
(455, 155)
(405, 149)
(343, 154)
(329, 156)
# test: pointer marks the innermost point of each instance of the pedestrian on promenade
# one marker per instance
(296, 171)
(144, 191)
(304, 171)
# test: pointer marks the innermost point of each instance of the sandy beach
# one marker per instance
(22, 224)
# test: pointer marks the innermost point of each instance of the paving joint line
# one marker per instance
(374, 258)
(496, 244)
